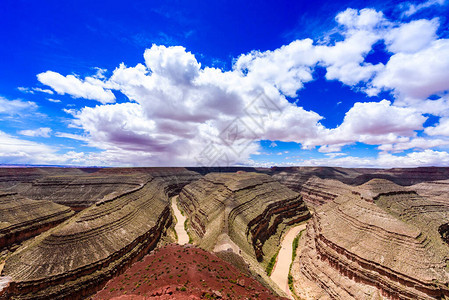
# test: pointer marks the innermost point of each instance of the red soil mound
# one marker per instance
(183, 272)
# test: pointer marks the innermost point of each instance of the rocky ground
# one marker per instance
(183, 272)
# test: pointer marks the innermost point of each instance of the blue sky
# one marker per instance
(172, 83)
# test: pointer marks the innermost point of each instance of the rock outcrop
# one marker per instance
(77, 257)
(22, 218)
(183, 272)
(79, 189)
(16, 179)
(295, 177)
(316, 191)
(378, 240)
(251, 209)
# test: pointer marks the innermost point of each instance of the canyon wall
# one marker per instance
(251, 209)
(374, 241)
(77, 257)
(22, 218)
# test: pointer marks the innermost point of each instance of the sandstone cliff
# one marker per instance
(75, 258)
(376, 240)
(79, 189)
(22, 218)
(252, 209)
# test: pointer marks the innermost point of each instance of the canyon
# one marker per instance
(369, 233)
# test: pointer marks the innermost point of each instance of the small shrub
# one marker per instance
(271, 264)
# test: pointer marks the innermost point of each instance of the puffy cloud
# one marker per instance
(365, 18)
(379, 118)
(89, 88)
(180, 112)
(292, 65)
(438, 107)
(11, 107)
(442, 128)
(344, 61)
(287, 68)
(173, 63)
(181, 109)
(42, 132)
(414, 159)
(370, 123)
(412, 37)
(417, 75)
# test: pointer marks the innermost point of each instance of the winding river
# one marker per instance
(183, 237)
(284, 259)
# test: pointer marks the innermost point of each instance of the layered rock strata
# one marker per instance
(295, 177)
(82, 191)
(377, 241)
(75, 258)
(22, 218)
(316, 191)
(251, 209)
(17, 179)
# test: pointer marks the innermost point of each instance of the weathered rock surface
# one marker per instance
(183, 272)
(79, 189)
(375, 234)
(83, 190)
(295, 177)
(22, 218)
(75, 258)
(12, 177)
(252, 209)
(374, 241)
(317, 191)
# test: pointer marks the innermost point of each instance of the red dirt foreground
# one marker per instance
(183, 272)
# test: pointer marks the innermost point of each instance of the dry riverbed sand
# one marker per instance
(183, 237)
(284, 259)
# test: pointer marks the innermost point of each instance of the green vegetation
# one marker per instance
(186, 227)
(290, 277)
(271, 264)
(295, 244)
(176, 235)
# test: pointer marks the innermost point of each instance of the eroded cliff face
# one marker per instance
(82, 191)
(14, 179)
(77, 257)
(378, 240)
(251, 209)
(79, 189)
(370, 238)
(296, 177)
(22, 218)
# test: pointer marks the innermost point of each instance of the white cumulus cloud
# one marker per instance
(179, 111)
(89, 88)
